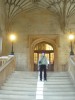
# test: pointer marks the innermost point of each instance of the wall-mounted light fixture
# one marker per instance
(71, 38)
(12, 38)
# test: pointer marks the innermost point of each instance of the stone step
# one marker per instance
(32, 81)
(40, 89)
(22, 81)
(19, 89)
(23, 78)
(39, 99)
(27, 86)
(17, 96)
(17, 92)
(13, 79)
(9, 92)
(19, 85)
(35, 77)
(35, 82)
(35, 85)
(36, 74)
(59, 97)
(22, 97)
(58, 83)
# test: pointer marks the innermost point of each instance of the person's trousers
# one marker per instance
(43, 68)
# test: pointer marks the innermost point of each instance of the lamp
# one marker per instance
(12, 38)
(71, 38)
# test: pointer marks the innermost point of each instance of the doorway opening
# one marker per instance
(49, 53)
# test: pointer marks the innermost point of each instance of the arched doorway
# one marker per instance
(34, 41)
(49, 53)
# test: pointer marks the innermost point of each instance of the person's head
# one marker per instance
(43, 54)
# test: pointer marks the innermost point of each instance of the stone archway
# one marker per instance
(49, 53)
(39, 40)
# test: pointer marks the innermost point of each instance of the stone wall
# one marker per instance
(64, 52)
(3, 28)
(37, 22)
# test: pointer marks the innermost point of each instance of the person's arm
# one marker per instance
(46, 63)
(38, 65)
(39, 62)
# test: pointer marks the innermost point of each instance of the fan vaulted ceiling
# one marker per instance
(59, 7)
(63, 9)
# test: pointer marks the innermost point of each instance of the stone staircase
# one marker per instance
(26, 86)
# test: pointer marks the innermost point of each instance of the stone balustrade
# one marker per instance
(3, 60)
(8, 66)
(71, 65)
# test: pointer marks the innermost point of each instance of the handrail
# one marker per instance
(3, 59)
(7, 68)
(71, 68)
(72, 58)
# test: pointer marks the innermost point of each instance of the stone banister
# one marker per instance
(71, 67)
(3, 60)
(7, 68)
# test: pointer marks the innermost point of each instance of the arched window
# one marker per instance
(47, 49)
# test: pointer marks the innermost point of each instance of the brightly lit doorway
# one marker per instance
(49, 53)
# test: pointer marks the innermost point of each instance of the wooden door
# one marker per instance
(50, 57)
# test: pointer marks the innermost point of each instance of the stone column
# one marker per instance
(2, 17)
(2, 27)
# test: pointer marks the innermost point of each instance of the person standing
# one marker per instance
(43, 65)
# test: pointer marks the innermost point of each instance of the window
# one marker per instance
(48, 49)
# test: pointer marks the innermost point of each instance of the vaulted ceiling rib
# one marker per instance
(63, 9)
(56, 6)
